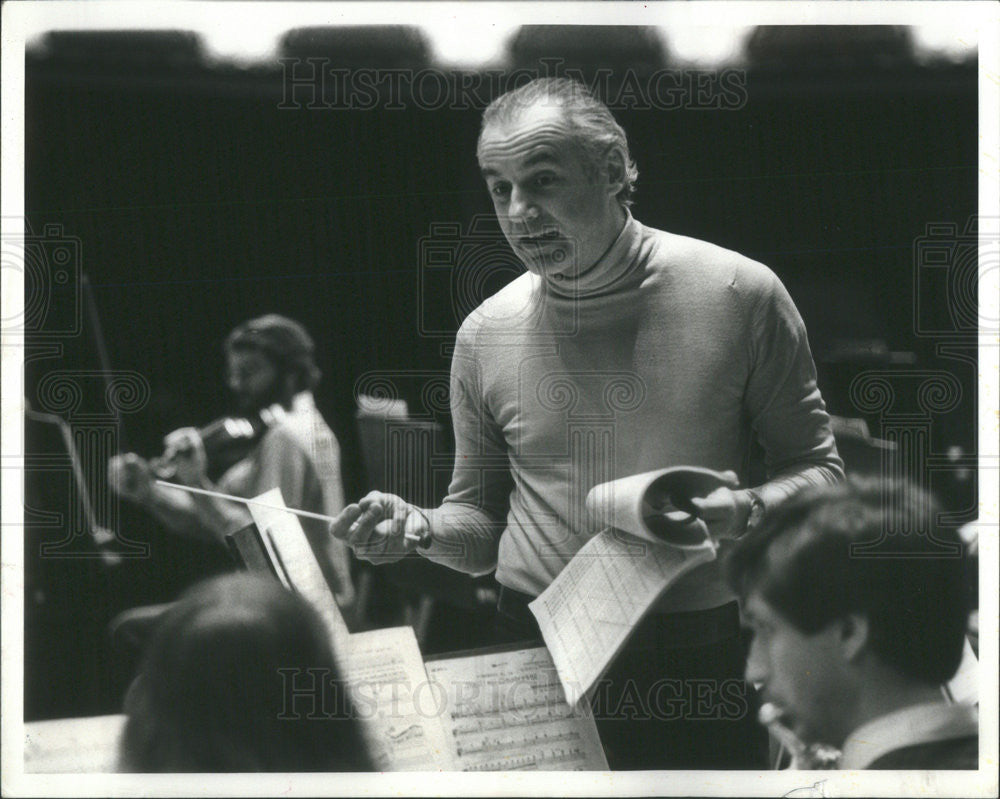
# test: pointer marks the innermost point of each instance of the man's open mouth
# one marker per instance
(539, 238)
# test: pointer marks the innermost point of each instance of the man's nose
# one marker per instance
(521, 208)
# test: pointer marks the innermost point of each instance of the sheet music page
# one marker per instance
(73, 746)
(295, 562)
(507, 711)
(383, 668)
(587, 613)
(391, 693)
(964, 686)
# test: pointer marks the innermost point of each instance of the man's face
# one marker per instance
(802, 674)
(253, 379)
(558, 216)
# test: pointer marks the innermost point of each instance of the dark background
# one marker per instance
(197, 203)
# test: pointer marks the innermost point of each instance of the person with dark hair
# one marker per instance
(622, 350)
(271, 371)
(858, 604)
(214, 692)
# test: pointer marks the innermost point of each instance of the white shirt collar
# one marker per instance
(933, 721)
(303, 401)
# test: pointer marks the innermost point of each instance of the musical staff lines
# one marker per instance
(551, 760)
(508, 712)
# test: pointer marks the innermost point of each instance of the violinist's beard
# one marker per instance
(247, 403)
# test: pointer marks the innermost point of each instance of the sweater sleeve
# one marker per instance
(466, 528)
(783, 401)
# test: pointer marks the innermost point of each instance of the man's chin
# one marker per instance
(804, 731)
(781, 714)
(550, 265)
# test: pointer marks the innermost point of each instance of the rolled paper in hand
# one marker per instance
(657, 505)
(422, 538)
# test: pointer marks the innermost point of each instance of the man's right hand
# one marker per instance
(131, 477)
(381, 528)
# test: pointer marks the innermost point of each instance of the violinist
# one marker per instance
(271, 371)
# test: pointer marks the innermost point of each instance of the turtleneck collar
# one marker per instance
(614, 271)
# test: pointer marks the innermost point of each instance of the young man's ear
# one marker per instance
(853, 636)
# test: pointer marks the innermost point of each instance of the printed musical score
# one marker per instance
(507, 711)
(591, 608)
(588, 612)
(385, 673)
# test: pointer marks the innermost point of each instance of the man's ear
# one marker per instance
(615, 166)
(853, 636)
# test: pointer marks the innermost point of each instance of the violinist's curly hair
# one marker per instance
(284, 341)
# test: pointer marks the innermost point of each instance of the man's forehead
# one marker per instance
(538, 132)
(539, 111)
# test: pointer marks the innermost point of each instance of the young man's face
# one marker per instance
(253, 379)
(558, 217)
(801, 674)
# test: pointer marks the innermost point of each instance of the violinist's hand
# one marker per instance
(185, 450)
(376, 528)
(131, 477)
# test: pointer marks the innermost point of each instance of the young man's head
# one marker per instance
(269, 360)
(215, 689)
(841, 630)
(559, 172)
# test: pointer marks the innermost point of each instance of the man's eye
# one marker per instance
(544, 181)
(500, 190)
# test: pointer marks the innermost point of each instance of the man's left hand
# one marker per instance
(185, 450)
(725, 510)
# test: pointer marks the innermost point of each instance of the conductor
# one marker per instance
(622, 349)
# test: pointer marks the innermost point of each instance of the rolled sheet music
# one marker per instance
(650, 539)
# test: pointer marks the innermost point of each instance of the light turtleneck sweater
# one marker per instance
(666, 352)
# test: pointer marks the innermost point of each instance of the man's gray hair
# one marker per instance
(594, 128)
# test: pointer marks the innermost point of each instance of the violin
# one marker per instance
(226, 441)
